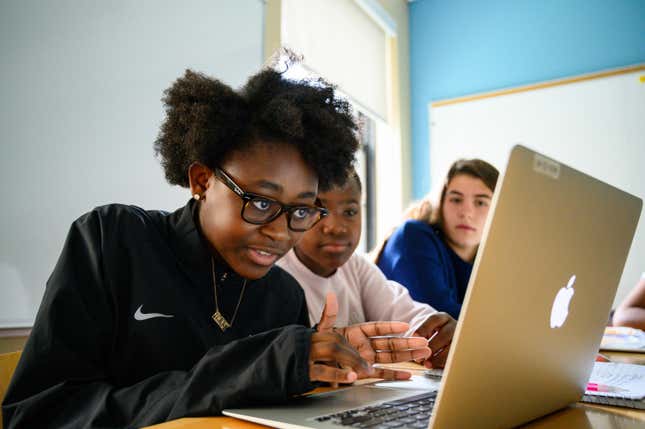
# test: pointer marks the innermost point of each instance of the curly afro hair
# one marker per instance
(206, 121)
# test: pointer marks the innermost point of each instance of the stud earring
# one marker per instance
(197, 197)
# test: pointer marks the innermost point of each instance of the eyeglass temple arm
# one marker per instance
(229, 182)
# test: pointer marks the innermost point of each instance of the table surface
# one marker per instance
(579, 415)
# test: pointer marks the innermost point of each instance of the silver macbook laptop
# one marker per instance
(546, 273)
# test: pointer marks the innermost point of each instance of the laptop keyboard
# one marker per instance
(411, 412)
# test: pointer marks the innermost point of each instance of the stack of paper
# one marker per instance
(621, 338)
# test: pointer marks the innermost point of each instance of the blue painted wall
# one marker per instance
(460, 47)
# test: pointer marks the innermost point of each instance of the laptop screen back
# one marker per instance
(552, 232)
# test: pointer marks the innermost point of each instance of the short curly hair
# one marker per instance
(206, 121)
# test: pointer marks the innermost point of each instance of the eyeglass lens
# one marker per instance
(260, 210)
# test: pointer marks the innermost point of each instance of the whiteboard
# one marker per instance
(81, 84)
(594, 123)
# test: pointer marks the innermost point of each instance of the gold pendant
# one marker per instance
(221, 321)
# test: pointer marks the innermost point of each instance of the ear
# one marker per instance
(199, 175)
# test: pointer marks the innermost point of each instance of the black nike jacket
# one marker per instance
(124, 336)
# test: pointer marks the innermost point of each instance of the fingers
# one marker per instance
(389, 374)
(443, 337)
(400, 349)
(364, 347)
(438, 359)
(398, 343)
(333, 360)
(441, 341)
(394, 356)
(370, 347)
(337, 353)
(439, 328)
(334, 375)
(358, 336)
(331, 374)
(377, 342)
(328, 317)
(434, 323)
(373, 329)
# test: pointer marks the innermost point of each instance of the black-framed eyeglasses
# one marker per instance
(260, 210)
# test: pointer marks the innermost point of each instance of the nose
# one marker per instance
(333, 226)
(277, 229)
(467, 209)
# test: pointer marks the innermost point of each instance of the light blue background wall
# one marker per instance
(461, 47)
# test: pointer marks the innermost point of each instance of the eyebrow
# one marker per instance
(348, 201)
(476, 196)
(265, 184)
(351, 201)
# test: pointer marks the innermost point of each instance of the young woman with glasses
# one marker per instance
(152, 316)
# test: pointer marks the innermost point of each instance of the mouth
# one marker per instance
(465, 227)
(335, 247)
(264, 257)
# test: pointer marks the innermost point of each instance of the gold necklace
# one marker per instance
(217, 316)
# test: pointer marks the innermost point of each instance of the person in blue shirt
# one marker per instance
(432, 252)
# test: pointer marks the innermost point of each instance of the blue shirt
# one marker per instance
(417, 257)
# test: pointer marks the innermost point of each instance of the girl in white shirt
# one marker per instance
(324, 261)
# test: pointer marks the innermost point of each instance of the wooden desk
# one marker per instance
(578, 415)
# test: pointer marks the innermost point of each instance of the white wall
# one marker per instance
(80, 86)
(596, 126)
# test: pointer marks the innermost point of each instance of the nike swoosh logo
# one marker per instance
(139, 315)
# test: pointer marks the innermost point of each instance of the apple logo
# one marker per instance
(560, 309)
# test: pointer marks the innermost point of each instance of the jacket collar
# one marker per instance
(192, 249)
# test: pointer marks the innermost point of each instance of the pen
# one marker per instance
(597, 387)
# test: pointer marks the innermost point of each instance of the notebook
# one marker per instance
(619, 384)
(553, 250)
